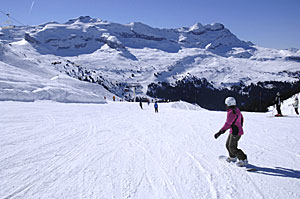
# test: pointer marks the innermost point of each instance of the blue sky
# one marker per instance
(267, 23)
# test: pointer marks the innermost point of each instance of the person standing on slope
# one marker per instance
(278, 103)
(148, 101)
(234, 122)
(296, 104)
(141, 104)
(156, 107)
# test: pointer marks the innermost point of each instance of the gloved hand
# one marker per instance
(218, 134)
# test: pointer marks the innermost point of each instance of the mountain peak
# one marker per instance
(83, 19)
(214, 26)
(197, 28)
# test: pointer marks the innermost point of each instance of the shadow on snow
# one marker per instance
(277, 171)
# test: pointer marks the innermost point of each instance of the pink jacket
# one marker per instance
(231, 116)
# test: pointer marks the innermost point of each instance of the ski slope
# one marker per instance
(117, 150)
(30, 79)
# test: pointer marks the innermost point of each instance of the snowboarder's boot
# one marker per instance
(229, 159)
(242, 163)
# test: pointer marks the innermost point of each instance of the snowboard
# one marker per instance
(279, 115)
(286, 116)
(248, 167)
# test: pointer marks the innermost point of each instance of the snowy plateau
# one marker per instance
(62, 136)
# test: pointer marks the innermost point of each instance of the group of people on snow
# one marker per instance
(278, 101)
(155, 105)
(235, 121)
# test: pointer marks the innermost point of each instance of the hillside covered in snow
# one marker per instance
(198, 63)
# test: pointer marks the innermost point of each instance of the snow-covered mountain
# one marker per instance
(116, 55)
(86, 35)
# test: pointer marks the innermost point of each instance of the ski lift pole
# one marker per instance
(134, 86)
(134, 97)
(10, 17)
(260, 101)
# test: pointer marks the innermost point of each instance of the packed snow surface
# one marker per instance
(117, 150)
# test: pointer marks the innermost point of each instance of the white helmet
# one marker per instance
(230, 101)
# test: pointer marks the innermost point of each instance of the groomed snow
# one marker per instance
(117, 150)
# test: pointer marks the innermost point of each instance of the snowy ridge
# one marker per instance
(86, 35)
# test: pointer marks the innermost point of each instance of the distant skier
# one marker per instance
(141, 104)
(296, 104)
(156, 107)
(278, 103)
(234, 122)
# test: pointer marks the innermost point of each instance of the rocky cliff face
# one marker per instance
(86, 35)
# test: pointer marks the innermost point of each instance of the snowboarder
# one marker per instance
(156, 107)
(278, 103)
(234, 121)
(141, 104)
(296, 104)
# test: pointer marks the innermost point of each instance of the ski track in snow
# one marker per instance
(117, 150)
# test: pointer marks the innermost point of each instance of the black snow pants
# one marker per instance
(278, 109)
(232, 144)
